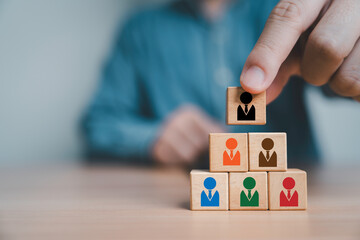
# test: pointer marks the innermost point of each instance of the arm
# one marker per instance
(115, 124)
(318, 40)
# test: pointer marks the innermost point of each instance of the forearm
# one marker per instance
(122, 138)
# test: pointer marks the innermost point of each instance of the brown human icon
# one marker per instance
(288, 199)
(231, 159)
(267, 160)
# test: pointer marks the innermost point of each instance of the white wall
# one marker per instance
(337, 125)
(50, 56)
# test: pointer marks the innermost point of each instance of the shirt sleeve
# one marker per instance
(114, 124)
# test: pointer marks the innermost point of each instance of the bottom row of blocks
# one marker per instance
(249, 190)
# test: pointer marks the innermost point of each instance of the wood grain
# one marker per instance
(121, 202)
(236, 187)
(256, 148)
(217, 146)
(276, 187)
(197, 187)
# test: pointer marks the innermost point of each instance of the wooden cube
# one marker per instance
(244, 108)
(267, 152)
(228, 152)
(209, 191)
(248, 191)
(287, 190)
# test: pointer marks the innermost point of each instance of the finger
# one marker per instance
(169, 149)
(179, 142)
(357, 98)
(180, 147)
(289, 68)
(170, 154)
(189, 127)
(163, 154)
(331, 41)
(193, 135)
(286, 22)
(346, 81)
(278, 84)
(206, 124)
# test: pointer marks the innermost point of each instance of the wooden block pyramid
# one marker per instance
(248, 171)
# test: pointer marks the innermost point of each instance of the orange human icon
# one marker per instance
(231, 159)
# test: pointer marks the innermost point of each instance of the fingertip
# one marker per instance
(253, 80)
(357, 99)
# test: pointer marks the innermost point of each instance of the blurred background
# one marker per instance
(51, 54)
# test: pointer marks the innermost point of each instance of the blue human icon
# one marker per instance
(211, 199)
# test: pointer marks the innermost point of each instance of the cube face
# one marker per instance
(287, 190)
(267, 152)
(248, 191)
(209, 191)
(244, 108)
(228, 152)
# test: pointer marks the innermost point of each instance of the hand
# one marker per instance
(184, 136)
(316, 39)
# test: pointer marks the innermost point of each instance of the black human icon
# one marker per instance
(246, 113)
(267, 160)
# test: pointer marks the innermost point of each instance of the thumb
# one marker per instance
(283, 28)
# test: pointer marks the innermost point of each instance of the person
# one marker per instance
(232, 159)
(163, 88)
(288, 199)
(251, 198)
(267, 160)
(246, 114)
(212, 199)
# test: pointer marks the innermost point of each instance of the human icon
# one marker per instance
(267, 160)
(231, 159)
(286, 199)
(246, 113)
(211, 199)
(249, 199)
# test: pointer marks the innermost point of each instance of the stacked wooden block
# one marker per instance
(248, 171)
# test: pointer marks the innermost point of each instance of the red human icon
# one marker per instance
(288, 200)
(231, 159)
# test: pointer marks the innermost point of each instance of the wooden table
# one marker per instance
(79, 202)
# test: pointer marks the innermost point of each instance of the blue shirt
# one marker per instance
(170, 56)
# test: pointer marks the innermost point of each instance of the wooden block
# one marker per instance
(267, 152)
(209, 191)
(287, 190)
(228, 152)
(244, 108)
(241, 184)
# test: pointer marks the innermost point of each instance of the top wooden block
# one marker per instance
(244, 108)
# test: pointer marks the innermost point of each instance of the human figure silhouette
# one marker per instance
(249, 199)
(231, 159)
(246, 113)
(286, 199)
(265, 160)
(210, 200)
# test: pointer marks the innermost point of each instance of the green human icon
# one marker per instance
(251, 199)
